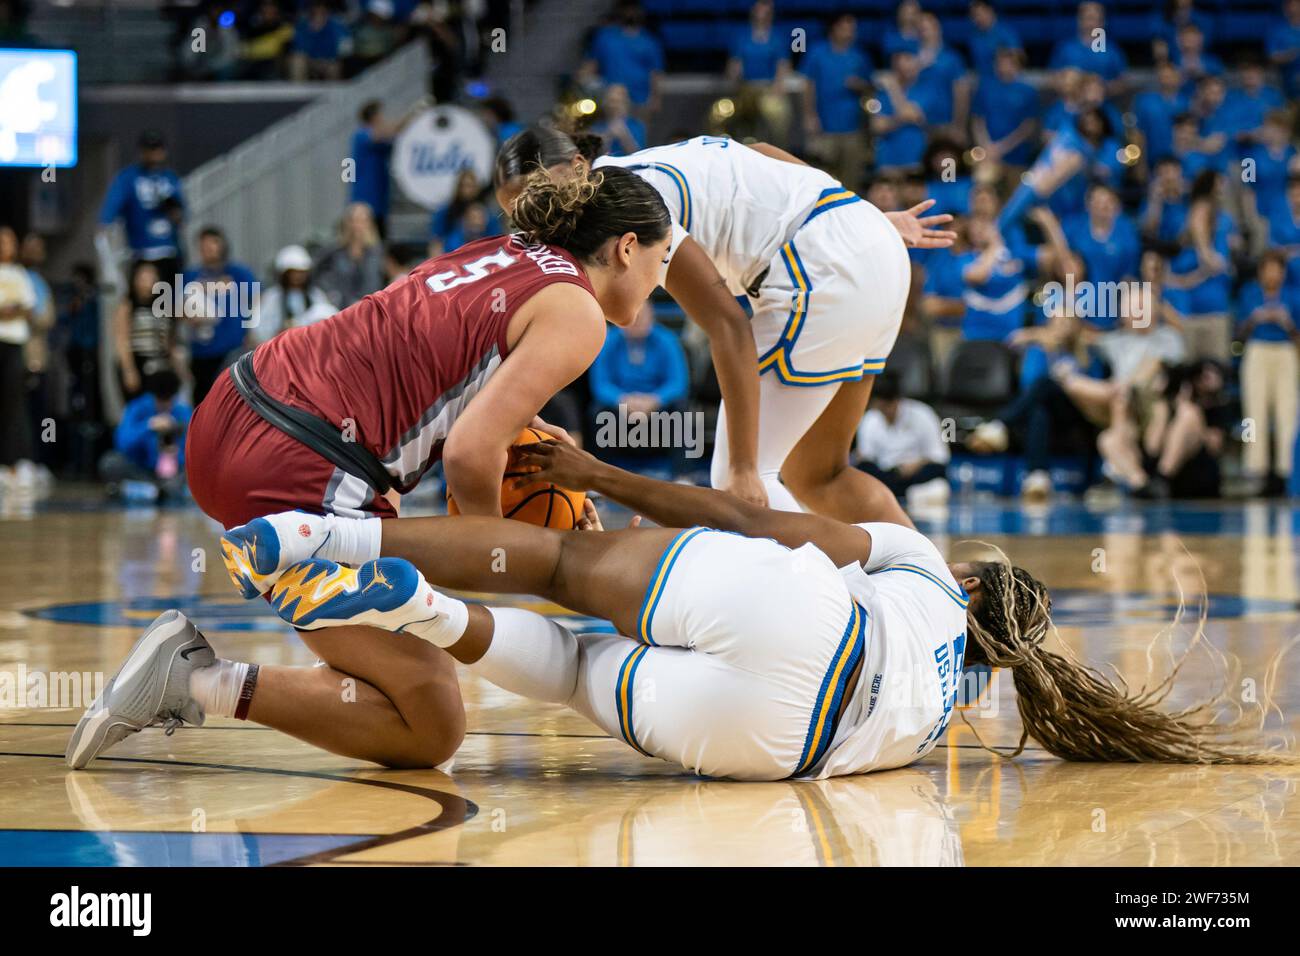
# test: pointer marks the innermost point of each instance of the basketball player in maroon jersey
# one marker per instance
(340, 418)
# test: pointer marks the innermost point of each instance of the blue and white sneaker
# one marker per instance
(257, 553)
(389, 593)
(151, 687)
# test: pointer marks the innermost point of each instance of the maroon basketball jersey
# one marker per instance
(397, 368)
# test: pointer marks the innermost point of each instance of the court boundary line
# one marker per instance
(448, 803)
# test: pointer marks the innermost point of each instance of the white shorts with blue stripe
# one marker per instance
(832, 303)
(743, 653)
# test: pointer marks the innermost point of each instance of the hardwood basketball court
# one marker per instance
(535, 784)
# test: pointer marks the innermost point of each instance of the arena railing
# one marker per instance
(285, 184)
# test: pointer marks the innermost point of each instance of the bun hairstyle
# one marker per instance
(548, 210)
(541, 147)
(581, 212)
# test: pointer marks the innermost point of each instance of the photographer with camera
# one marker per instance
(147, 460)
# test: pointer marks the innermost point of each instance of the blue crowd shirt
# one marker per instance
(1251, 109)
(1284, 38)
(1284, 230)
(942, 74)
(951, 197)
(996, 307)
(1155, 112)
(372, 183)
(1109, 63)
(654, 365)
(838, 108)
(325, 43)
(223, 332)
(1266, 329)
(137, 196)
(943, 279)
(1110, 258)
(905, 145)
(759, 57)
(137, 441)
(1003, 107)
(984, 45)
(627, 58)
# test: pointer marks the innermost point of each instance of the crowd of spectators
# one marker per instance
(1130, 240)
(181, 318)
(305, 40)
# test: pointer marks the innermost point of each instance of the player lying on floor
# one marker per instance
(765, 645)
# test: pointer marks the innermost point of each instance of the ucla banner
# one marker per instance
(435, 147)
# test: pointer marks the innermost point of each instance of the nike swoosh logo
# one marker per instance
(190, 650)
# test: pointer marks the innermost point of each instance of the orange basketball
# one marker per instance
(538, 502)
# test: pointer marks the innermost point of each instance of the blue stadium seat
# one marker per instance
(687, 26)
(697, 35)
(1243, 25)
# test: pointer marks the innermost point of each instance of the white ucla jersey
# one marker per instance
(738, 204)
(915, 648)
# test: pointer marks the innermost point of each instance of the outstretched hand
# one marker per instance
(561, 464)
(920, 232)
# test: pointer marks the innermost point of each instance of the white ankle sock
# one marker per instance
(531, 656)
(448, 617)
(352, 541)
(216, 687)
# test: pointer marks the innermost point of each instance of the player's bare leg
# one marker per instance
(392, 697)
(389, 698)
(818, 472)
(603, 574)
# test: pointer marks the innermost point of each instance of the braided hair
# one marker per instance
(1078, 713)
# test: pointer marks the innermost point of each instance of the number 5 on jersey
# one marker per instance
(470, 272)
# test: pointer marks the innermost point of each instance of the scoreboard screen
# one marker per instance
(38, 107)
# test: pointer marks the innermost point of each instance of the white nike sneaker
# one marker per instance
(151, 687)
(257, 553)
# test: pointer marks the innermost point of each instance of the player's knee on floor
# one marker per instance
(425, 744)
(422, 754)
(435, 720)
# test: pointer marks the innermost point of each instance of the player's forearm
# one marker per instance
(736, 363)
(474, 480)
(676, 506)
(693, 281)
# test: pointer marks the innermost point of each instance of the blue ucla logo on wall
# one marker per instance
(435, 148)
